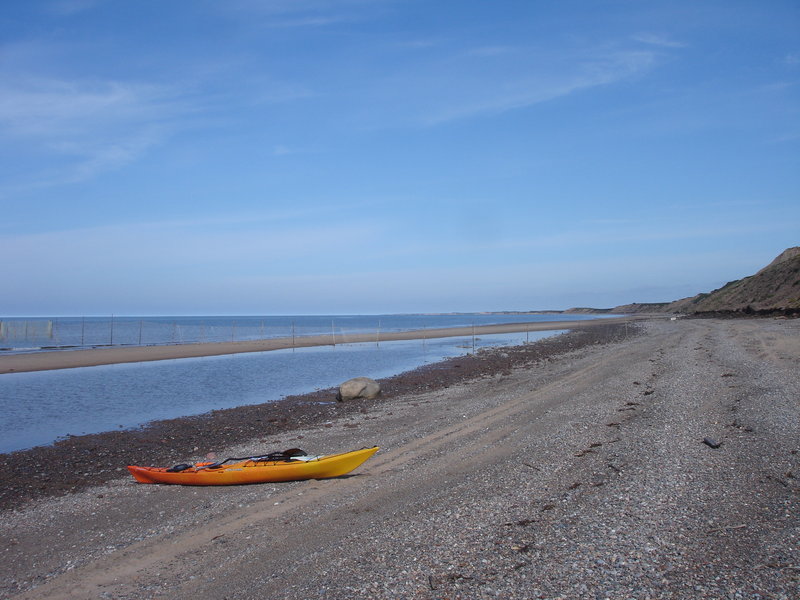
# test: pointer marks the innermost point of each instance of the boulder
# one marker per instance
(360, 387)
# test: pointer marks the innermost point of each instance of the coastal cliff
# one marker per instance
(775, 289)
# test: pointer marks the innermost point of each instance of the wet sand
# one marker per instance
(66, 359)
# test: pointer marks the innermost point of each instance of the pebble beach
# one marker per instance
(651, 461)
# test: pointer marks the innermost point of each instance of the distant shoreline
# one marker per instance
(90, 357)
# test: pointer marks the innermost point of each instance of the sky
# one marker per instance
(390, 156)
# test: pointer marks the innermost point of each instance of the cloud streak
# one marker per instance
(654, 39)
(488, 80)
(86, 127)
(528, 91)
(63, 8)
(287, 14)
(48, 107)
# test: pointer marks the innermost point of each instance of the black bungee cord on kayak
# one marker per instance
(272, 456)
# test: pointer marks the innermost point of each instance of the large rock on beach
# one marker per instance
(359, 387)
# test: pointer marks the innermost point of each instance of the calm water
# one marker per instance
(21, 334)
(38, 408)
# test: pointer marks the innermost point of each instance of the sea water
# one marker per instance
(40, 407)
(25, 334)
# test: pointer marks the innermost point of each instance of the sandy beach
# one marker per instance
(66, 359)
(658, 460)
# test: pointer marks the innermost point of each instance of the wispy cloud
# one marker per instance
(266, 91)
(419, 44)
(655, 39)
(522, 87)
(281, 150)
(309, 21)
(299, 13)
(42, 107)
(792, 59)
(88, 126)
(112, 155)
(71, 7)
(78, 127)
(490, 51)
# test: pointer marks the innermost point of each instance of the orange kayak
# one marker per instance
(256, 470)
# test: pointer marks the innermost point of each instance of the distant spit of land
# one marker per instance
(66, 359)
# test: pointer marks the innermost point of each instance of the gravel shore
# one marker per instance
(606, 465)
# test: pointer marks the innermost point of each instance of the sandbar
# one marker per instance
(89, 357)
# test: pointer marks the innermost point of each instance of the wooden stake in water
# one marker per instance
(83, 328)
(140, 332)
(333, 333)
(292, 335)
(378, 335)
(473, 337)
(111, 342)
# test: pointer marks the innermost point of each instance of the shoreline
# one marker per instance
(660, 462)
(92, 357)
(76, 462)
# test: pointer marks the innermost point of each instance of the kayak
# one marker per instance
(260, 469)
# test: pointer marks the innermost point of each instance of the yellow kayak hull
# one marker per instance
(248, 471)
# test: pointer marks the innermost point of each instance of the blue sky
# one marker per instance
(374, 156)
